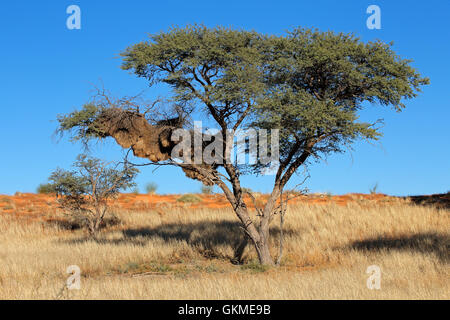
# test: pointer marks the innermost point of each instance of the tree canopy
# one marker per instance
(309, 84)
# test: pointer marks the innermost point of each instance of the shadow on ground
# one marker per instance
(203, 236)
(435, 200)
(75, 224)
(433, 243)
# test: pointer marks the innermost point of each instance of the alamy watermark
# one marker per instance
(240, 147)
(374, 20)
(74, 20)
(73, 282)
(374, 280)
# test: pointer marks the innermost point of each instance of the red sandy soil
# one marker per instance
(42, 205)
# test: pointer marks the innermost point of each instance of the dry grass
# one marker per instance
(184, 254)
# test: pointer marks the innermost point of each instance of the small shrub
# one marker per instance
(207, 189)
(373, 190)
(161, 268)
(255, 267)
(45, 188)
(151, 188)
(85, 192)
(130, 267)
(189, 198)
(135, 191)
(74, 222)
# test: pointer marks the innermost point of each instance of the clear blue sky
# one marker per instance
(47, 69)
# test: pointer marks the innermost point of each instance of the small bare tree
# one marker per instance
(307, 85)
(84, 193)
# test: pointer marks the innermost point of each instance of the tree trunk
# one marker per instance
(92, 229)
(239, 250)
(258, 235)
(263, 252)
(260, 241)
(263, 244)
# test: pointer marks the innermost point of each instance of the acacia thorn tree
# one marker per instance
(308, 84)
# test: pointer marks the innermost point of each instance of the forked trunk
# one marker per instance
(263, 252)
(259, 235)
(261, 247)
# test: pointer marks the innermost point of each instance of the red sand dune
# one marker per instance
(40, 205)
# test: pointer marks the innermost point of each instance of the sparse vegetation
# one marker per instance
(255, 267)
(84, 193)
(45, 188)
(327, 251)
(374, 189)
(206, 189)
(189, 198)
(151, 188)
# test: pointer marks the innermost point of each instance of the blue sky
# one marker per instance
(47, 69)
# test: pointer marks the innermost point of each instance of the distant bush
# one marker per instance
(84, 193)
(45, 188)
(151, 187)
(207, 189)
(135, 190)
(189, 198)
(374, 189)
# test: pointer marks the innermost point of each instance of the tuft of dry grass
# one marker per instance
(185, 253)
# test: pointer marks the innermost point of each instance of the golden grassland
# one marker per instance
(185, 253)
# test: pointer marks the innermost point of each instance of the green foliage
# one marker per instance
(45, 188)
(317, 82)
(207, 189)
(309, 84)
(255, 267)
(151, 187)
(189, 198)
(218, 67)
(82, 123)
